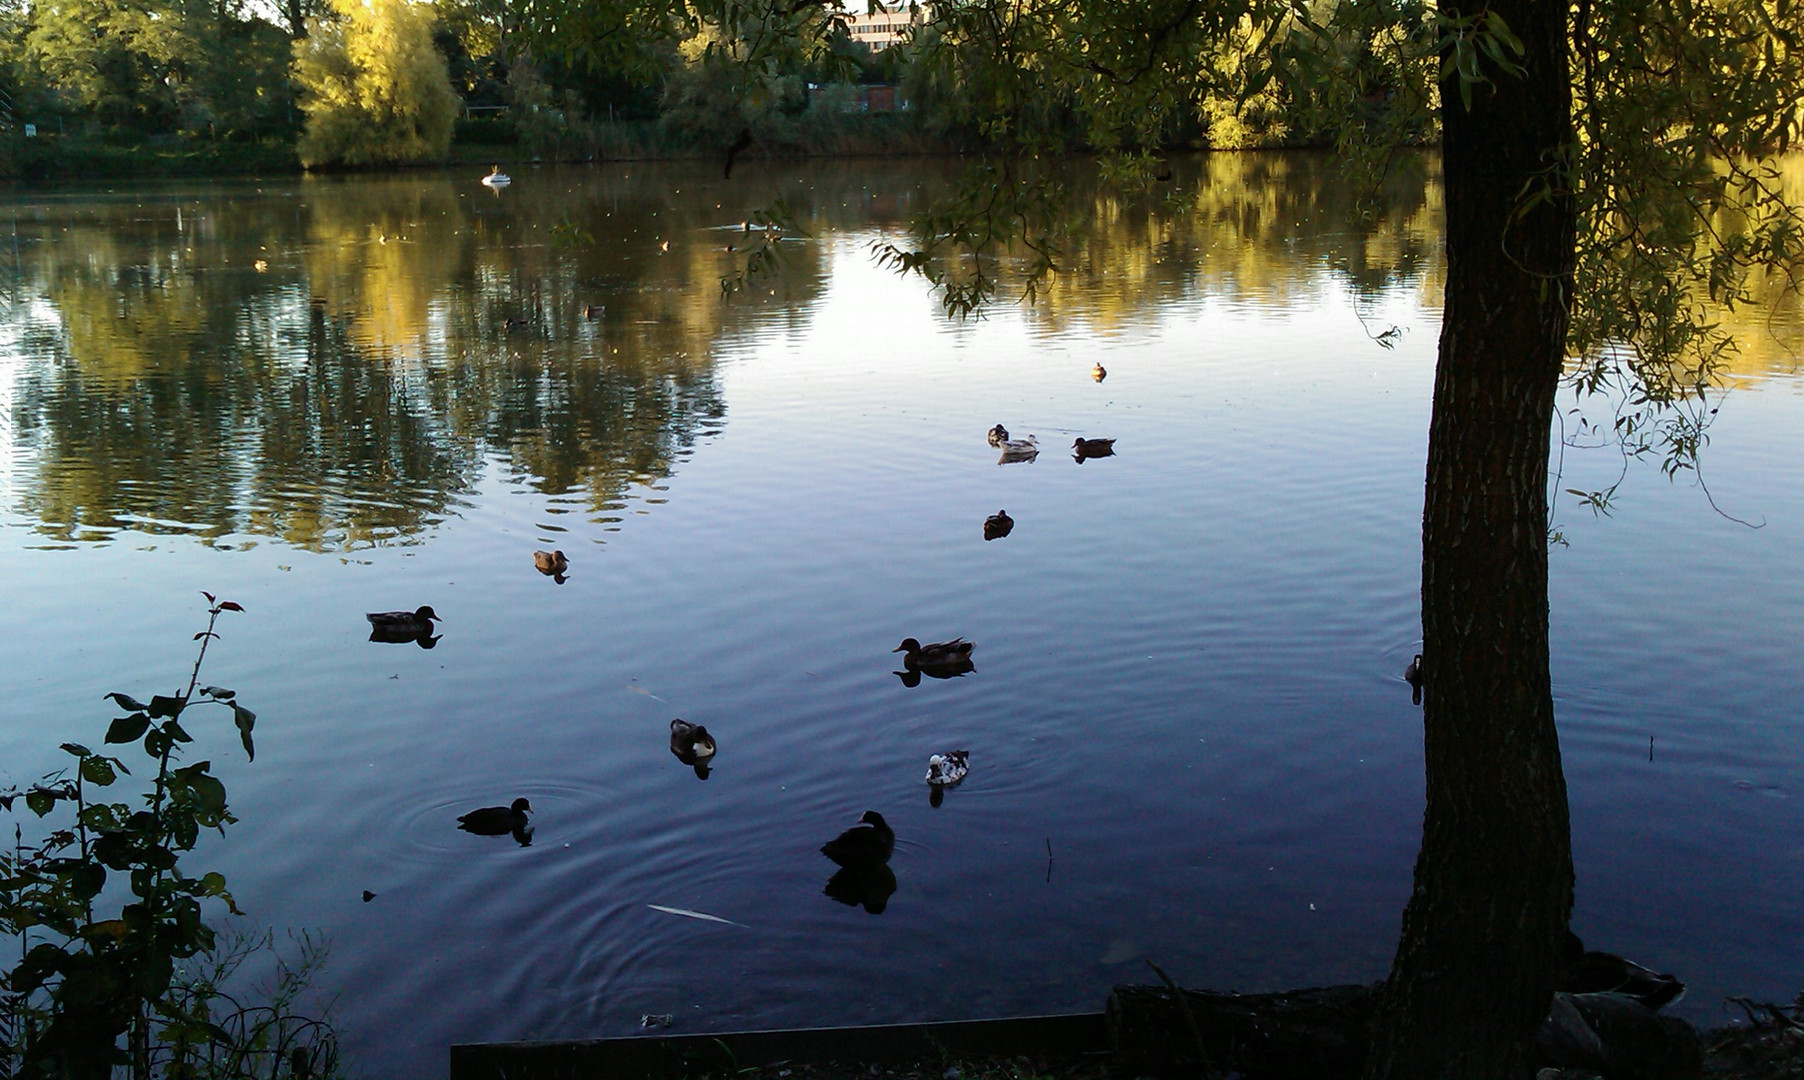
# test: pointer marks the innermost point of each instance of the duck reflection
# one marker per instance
(864, 878)
(692, 745)
(512, 820)
(869, 887)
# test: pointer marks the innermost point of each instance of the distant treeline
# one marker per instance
(124, 87)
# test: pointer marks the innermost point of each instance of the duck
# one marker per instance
(939, 654)
(1413, 676)
(496, 820)
(690, 742)
(551, 563)
(947, 769)
(1099, 373)
(998, 435)
(998, 525)
(1587, 971)
(1091, 448)
(867, 843)
(496, 178)
(1019, 450)
(410, 624)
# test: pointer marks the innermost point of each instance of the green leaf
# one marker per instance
(98, 770)
(126, 701)
(128, 728)
(176, 731)
(86, 879)
(40, 800)
(76, 749)
(218, 693)
(163, 705)
(245, 719)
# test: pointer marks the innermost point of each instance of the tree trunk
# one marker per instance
(1474, 971)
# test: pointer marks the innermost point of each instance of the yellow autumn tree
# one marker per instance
(373, 86)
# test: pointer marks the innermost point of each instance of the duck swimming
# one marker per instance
(998, 525)
(869, 842)
(496, 178)
(947, 769)
(998, 435)
(1083, 449)
(1019, 450)
(409, 624)
(939, 654)
(1413, 676)
(1099, 373)
(551, 564)
(691, 743)
(495, 820)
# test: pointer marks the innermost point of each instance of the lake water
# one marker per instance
(1188, 736)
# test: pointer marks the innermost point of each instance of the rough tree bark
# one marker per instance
(1474, 971)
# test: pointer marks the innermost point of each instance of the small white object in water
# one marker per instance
(947, 769)
(687, 914)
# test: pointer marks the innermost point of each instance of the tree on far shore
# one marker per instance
(373, 86)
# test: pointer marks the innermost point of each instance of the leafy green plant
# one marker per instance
(93, 991)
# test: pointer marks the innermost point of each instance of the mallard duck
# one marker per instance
(1586, 971)
(870, 841)
(690, 742)
(947, 769)
(496, 820)
(939, 654)
(998, 435)
(1099, 373)
(1019, 450)
(998, 525)
(408, 624)
(550, 563)
(497, 178)
(1083, 449)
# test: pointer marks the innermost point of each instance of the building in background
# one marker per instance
(885, 28)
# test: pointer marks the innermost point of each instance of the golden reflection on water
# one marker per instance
(329, 362)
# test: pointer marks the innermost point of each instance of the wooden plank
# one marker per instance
(668, 1056)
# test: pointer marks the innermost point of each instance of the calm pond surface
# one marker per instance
(1188, 736)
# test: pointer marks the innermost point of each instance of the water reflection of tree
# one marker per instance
(332, 368)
